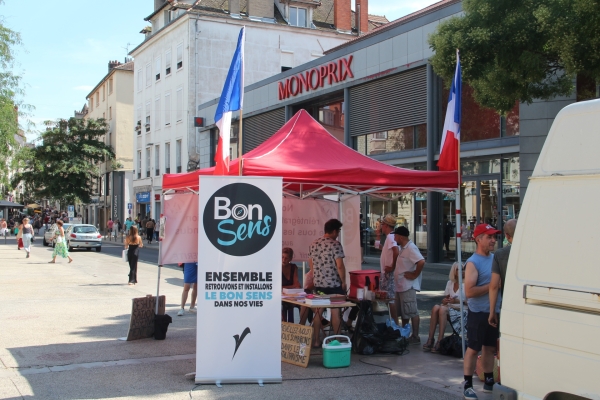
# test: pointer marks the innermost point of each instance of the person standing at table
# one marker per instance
(133, 244)
(190, 279)
(387, 261)
(326, 260)
(408, 281)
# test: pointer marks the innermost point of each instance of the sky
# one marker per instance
(67, 45)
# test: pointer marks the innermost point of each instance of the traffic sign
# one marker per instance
(71, 208)
(129, 206)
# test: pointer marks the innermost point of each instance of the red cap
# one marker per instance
(485, 229)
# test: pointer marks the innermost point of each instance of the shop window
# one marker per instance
(407, 138)
(481, 167)
(331, 116)
(168, 62)
(511, 188)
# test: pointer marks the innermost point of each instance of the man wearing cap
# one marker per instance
(387, 261)
(482, 336)
(408, 281)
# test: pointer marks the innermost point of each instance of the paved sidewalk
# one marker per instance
(61, 323)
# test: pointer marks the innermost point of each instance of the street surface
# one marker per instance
(61, 324)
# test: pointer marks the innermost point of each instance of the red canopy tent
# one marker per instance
(312, 162)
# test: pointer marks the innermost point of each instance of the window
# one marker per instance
(91, 101)
(148, 110)
(97, 99)
(148, 74)
(406, 138)
(157, 113)
(138, 120)
(178, 156)
(168, 62)
(148, 162)
(110, 86)
(156, 160)
(167, 158)
(167, 16)
(298, 16)
(168, 109)
(103, 92)
(180, 56)
(157, 69)
(179, 105)
(103, 115)
(139, 80)
(109, 113)
(139, 171)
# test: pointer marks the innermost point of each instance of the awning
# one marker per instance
(10, 204)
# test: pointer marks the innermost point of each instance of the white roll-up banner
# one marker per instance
(239, 280)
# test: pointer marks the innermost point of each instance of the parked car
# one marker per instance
(83, 236)
(49, 234)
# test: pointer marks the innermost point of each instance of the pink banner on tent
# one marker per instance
(180, 243)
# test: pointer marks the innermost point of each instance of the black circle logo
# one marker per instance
(239, 219)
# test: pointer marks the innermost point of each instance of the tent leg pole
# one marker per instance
(158, 279)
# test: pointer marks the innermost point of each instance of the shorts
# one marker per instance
(387, 284)
(406, 304)
(479, 332)
(330, 290)
(190, 273)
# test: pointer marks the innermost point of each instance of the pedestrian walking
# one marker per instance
(19, 237)
(116, 228)
(27, 233)
(156, 229)
(482, 336)
(133, 243)
(128, 224)
(60, 248)
(149, 230)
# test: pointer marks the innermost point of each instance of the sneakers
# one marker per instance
(469, 394)
(488, 388)
(193, 309)
(180, 312)
(27, 256)
(414, 340)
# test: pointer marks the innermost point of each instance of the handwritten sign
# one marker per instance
(141, 324)
(295, 343)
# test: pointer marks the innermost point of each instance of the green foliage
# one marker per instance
(11, 93)
(515, 50)
(65, 165)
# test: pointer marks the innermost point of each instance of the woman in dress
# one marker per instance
(27, 230)
(60, 248)
(450, 306)
(133, 243)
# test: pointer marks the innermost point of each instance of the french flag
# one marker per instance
(451, 134)
(231, 100)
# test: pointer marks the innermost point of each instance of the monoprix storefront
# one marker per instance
(379, 95)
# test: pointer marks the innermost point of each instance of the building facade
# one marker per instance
(112, 100)
(184, 60)
(379, 95)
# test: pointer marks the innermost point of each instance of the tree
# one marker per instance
(11, 105)
(66, 165)
(520, 50)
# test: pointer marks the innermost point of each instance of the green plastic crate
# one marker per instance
(336, 354)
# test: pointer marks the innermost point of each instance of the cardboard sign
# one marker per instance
(141, 324)
(295, 343)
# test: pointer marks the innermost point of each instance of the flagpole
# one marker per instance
(240, 144)
(458, 243)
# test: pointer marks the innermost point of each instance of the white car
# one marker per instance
(49, 234)
(83, 236)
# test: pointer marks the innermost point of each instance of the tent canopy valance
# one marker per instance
(10, 204)
(313, 163)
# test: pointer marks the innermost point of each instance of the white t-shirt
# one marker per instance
(387, 252)
(407, 262)
(453, 295)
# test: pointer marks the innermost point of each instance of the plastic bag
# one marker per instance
(404, 331)
(366, 339)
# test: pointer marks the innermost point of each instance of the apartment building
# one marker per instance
(112, 99)
(184, 59)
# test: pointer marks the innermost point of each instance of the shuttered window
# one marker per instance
(259, 128)
(389, 103)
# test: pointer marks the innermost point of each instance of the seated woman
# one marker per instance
(289, 280)
(450, 305)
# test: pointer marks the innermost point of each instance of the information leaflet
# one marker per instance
(239, 280)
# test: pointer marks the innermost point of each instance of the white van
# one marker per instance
(550, 319)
